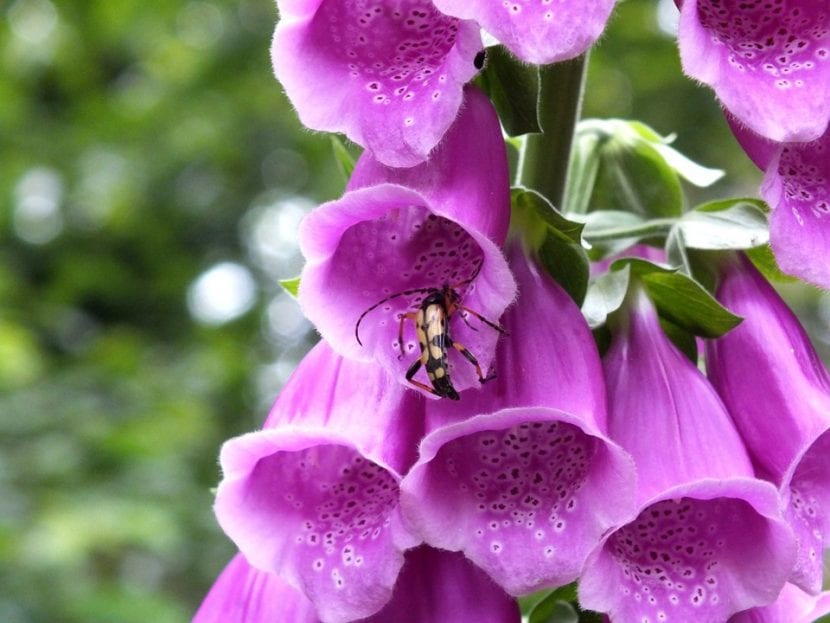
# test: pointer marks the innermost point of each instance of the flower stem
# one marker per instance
(545, 157)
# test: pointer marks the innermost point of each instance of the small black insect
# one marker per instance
(431, 319)
(480, 58)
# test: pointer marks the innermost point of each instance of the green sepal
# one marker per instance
(726, 224)
(681, 300)
(556, 240)
(561, 606)
(292, 286)
(513, 87)
(344, 159)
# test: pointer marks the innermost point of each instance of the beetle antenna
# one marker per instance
(381, 302)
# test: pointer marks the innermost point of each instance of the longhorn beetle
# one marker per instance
(431, 320)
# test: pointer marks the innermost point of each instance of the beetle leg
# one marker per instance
(413, 369)
(489, 323)
(404, 317)
(472, 359)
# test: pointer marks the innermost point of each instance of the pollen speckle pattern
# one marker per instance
(675, 557)
(397, 50)
(780, 39)
(523, 483)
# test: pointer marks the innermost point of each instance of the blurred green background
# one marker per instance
(152, 179)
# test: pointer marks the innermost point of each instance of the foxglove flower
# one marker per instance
(778, 393)
(537, 32)
(708, 540)
(520, 476)
(398, 235)
(792, 606)
(244, 594)
(433, 587)
(768, 62)
(797, 186)
(389, 75)
(314, 495)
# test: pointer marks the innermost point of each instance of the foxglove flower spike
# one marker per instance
(389, 75)
(708, 540)
(778, 393)
(792, 606)
(537, 32)
(314, 497)
(375, 254)
(521, 470)
(768, 62)
(433, 587)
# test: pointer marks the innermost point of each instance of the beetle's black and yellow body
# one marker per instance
(432, 327)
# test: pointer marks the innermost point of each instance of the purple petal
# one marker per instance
(443, 587)
(367, 250)
(388, 75)
(540, 32)
(759, 149)
(768, 63)
(778, 393)
(527, 487)
(314, 498)
(466, 178)
(664, 411)
(243, 594)
(699, 552)
(709, 540)
(797, 187)
(792, 606)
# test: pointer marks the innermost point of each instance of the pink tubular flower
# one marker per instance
(538, 32)
(397, 236)
(389, 75)
(792, 606)
(778, 393)
(768, 61)
(314, 496)
(708, 540)
(433, 587)
(797, 186)
(520, 476)
(243, 594)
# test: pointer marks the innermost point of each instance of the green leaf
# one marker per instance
(561, 606)
(605, 295)
(681, 300)
(764, 260)
(513, 87)
(345, 160)
(727, 224)
(612, 231)
(292, 286)
(556, 240)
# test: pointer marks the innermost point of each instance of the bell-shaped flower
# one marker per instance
(389, 75)
(398, 236)
(537, 32)
(433, 587)
(768, 62)
(792, 606)
(520, 475)
(313, 496)
(778, 393)
(244, 594)
(708, 539)
(797, 187)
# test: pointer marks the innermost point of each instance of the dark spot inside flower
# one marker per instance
(479, 60)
